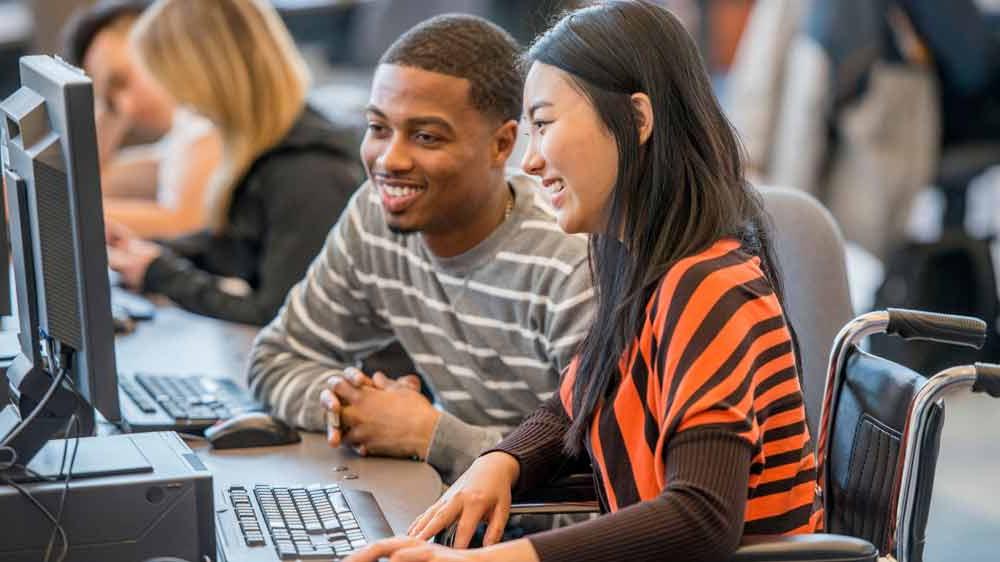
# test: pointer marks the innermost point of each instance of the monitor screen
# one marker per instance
(53, 195)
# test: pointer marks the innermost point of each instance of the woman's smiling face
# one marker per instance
(571, 150)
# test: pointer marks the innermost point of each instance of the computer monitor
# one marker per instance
(53, 197)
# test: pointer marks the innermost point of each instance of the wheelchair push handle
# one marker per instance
(987, 379)
(932, 326)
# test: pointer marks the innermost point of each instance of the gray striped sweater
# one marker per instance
(490, 329)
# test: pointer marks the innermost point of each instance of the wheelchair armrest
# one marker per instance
(806, 548)
(573, 493)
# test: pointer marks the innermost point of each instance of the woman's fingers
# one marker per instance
(421, 522)
(381, 549)
(498, 521)
(468, 520)
(422, 553)
(441, 520)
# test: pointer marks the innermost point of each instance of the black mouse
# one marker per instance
(251, 430)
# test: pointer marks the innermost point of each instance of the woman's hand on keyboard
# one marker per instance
(482, 493)
(406, 549)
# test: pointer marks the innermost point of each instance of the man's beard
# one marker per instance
(402, 230)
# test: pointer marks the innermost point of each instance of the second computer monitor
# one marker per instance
(52, 179)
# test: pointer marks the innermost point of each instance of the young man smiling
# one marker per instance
(440, 251)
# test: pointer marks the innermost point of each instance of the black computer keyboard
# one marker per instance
(304, 522)
(182, 402)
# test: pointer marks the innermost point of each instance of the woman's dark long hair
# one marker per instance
(674, 196)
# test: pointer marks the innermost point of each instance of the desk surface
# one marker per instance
(179, 342)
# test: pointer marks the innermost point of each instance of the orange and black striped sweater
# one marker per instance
(704, 440)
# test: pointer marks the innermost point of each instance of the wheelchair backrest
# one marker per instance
(864, 457)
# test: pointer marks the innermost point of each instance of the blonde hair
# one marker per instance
(234, 62)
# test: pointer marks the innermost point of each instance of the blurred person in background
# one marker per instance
(285, 176)
(855, 100)
(155, 189)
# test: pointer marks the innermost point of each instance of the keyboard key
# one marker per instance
(315, 555)
(339, 503)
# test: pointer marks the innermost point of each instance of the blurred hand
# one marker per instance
(482, 493)
(128, 255)
(117, 234)
(379, 416)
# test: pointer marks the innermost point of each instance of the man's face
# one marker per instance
(123, 89)
(428, 151)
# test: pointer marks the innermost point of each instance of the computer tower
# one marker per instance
(131, 498)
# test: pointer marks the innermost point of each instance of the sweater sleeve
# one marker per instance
(456, 444)
(697, 518)
(301, 202)
(327, 324)
(537, 444)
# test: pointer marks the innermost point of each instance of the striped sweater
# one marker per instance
(490, 329)
(703, 441)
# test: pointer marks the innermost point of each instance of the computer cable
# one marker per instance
(74, 422)
(48, 514)
(56, 382)
(56, 522)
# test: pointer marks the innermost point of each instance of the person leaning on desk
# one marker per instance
(286, 172)
(685, 393)
(155, 189)
(441, 251)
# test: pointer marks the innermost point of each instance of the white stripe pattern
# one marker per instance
(500, 413)
(563, 267)
(332, 339)
(481, 352)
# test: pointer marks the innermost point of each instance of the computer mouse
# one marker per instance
(121, 321)
(251, 430)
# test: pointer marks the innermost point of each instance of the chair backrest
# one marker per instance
(810, 253)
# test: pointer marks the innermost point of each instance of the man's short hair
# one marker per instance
(84, 25)
(466, 47)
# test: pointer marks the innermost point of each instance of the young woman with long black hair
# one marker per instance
(685, 394)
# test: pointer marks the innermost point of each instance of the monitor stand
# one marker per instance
(106, 455)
